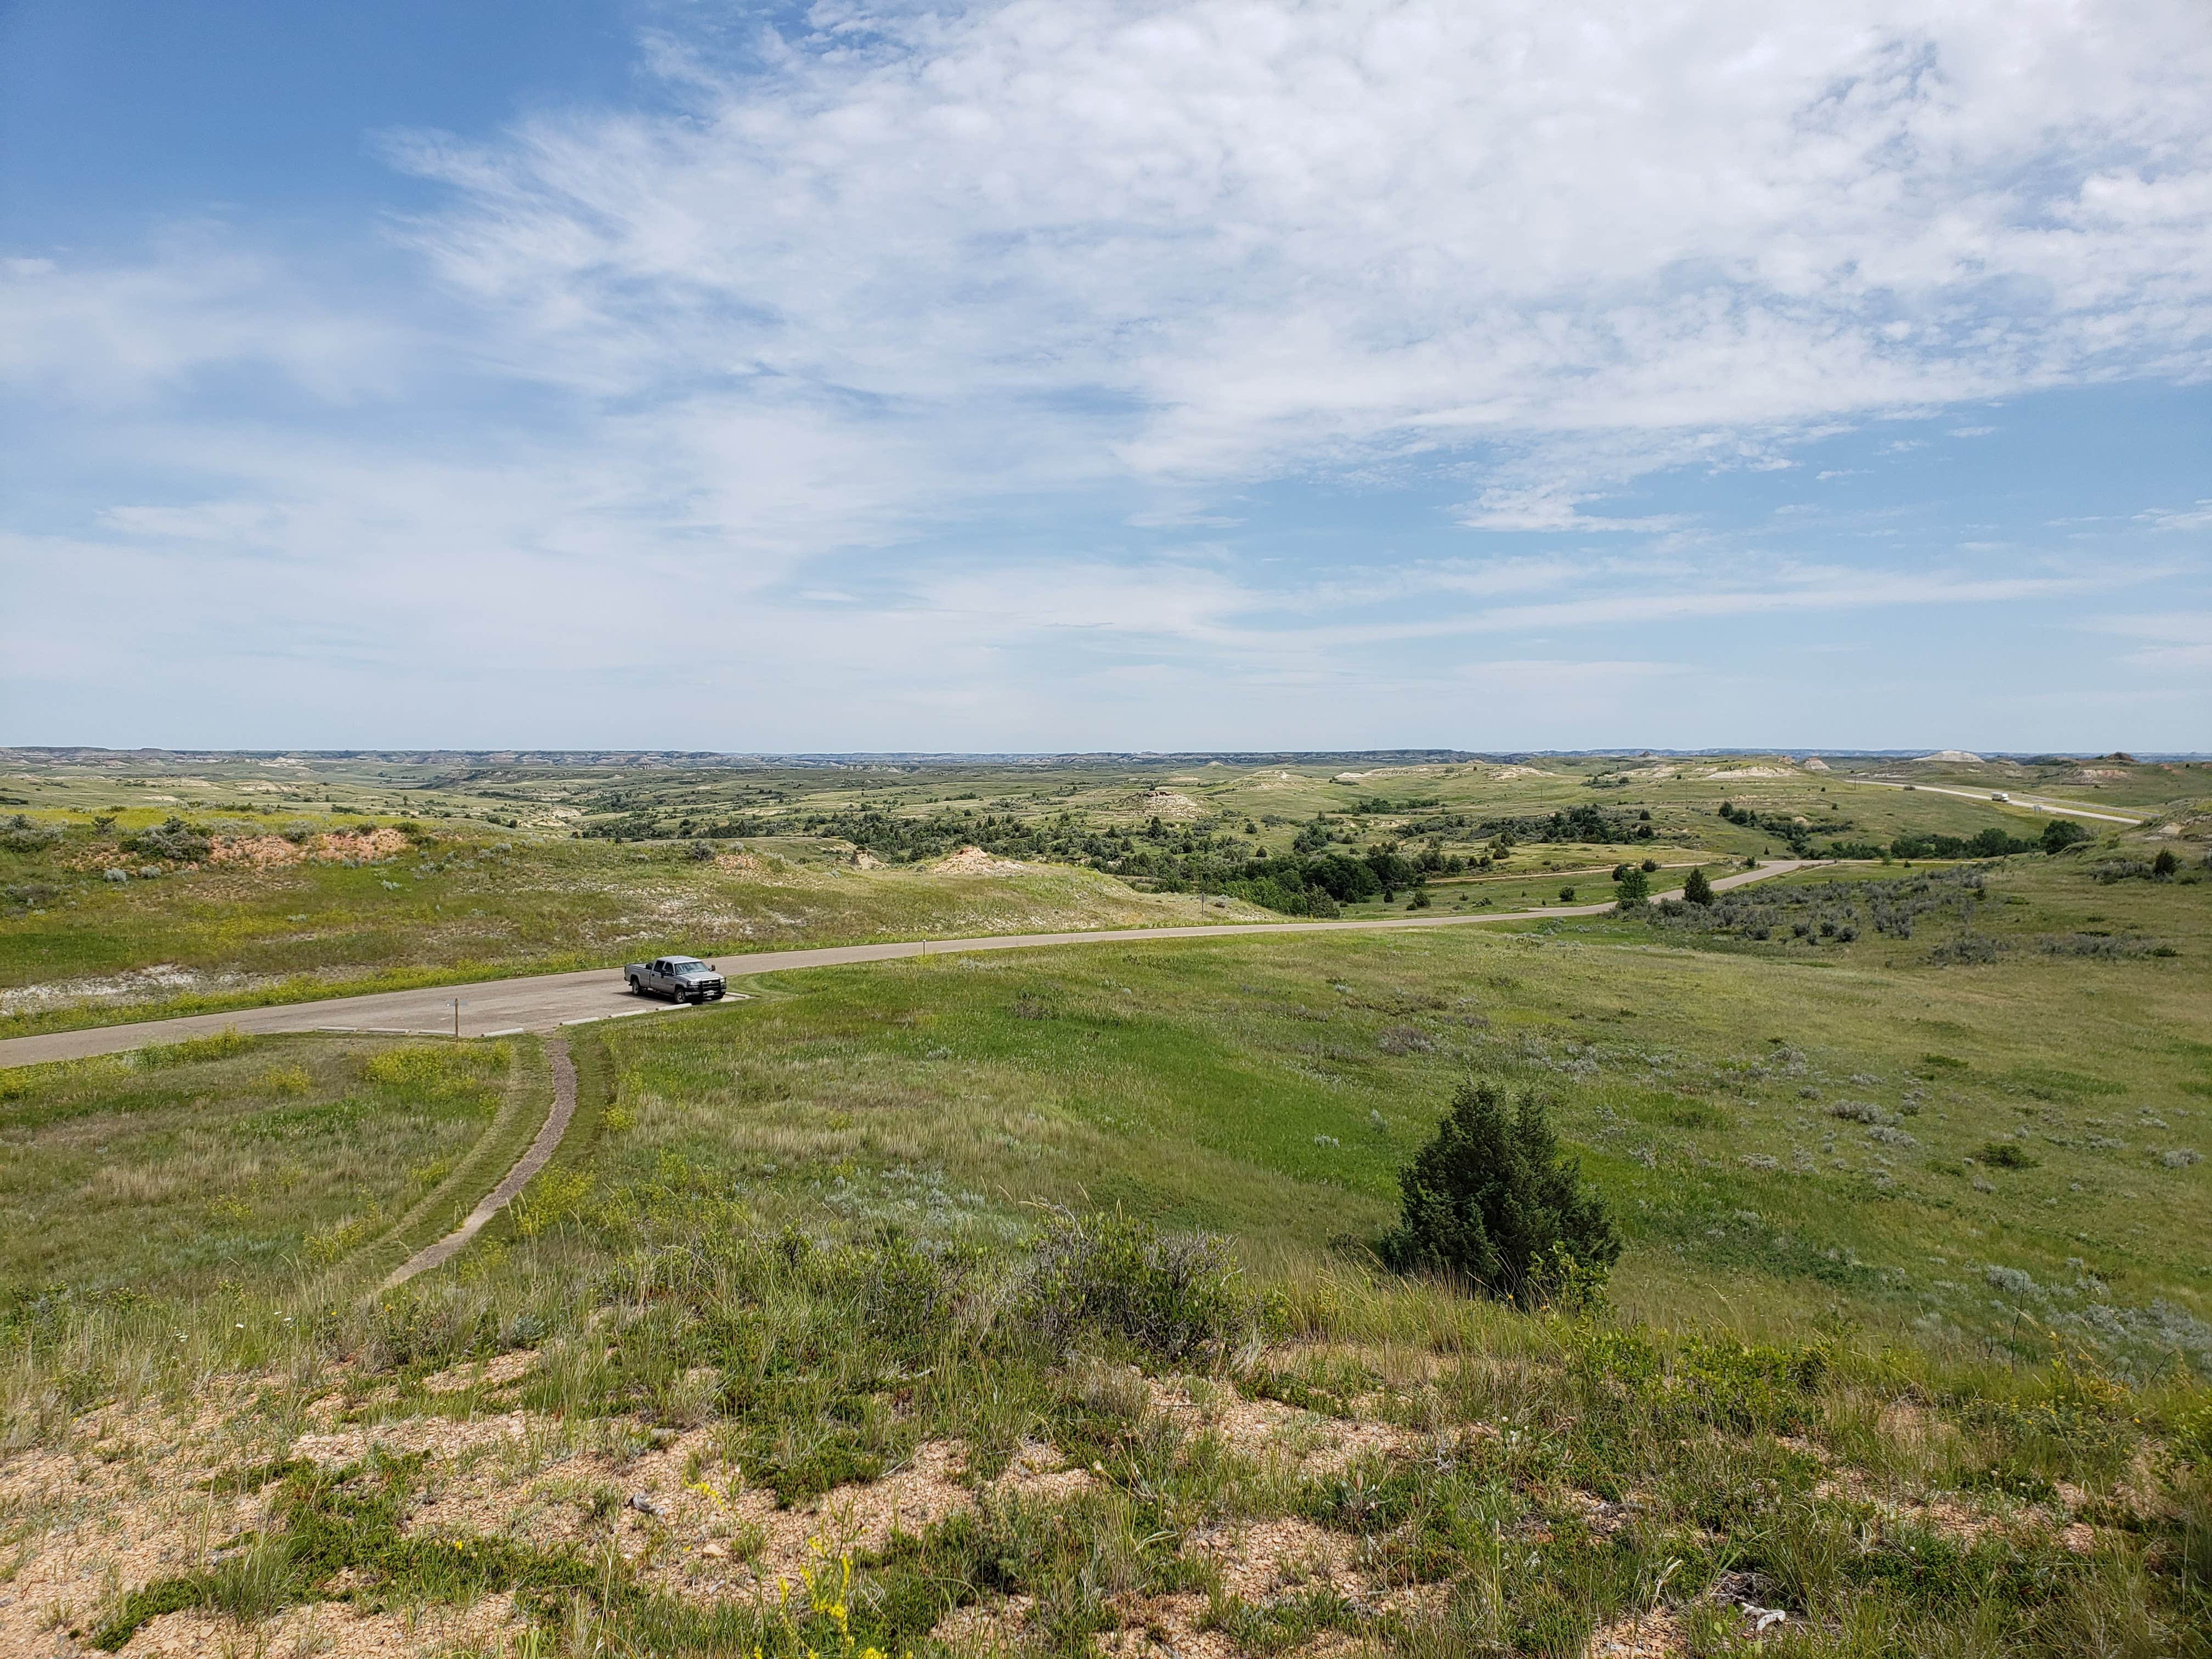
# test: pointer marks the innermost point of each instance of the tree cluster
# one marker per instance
(1794, 832)
(1991, 843)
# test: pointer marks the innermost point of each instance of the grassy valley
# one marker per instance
(1028, 1303)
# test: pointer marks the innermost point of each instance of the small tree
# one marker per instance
(2165, 863)
(1635, 888)
(1492, 1200)
(1696, 889)
(2058, 835)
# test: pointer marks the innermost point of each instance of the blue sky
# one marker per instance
(1075, 375)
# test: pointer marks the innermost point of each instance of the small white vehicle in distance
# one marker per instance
(680, 979)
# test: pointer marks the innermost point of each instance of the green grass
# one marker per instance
(232, 1166)
(493, 883)
(1912, 1231)
(456, 911)
(1787, 1133)
(1547, 1477)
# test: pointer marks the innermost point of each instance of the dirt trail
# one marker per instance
(541, 1151)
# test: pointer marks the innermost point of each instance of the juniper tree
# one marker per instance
(1491, 1201)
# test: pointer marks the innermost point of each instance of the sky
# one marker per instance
(1070, 375)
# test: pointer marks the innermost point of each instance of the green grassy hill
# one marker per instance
(893, 1285)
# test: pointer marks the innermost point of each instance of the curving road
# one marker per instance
(2033, 803)
(546, 1002)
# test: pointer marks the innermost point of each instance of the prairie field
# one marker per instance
(1029, 1302)
(133, 886)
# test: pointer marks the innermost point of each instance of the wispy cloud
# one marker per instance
(2166, 640)
(992, 326)
(2198, 517)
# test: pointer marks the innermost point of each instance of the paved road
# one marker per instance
(545, 1002)
(2033, 803)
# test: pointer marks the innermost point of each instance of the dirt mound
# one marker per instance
(1166, 803)
(1734, 772)
(276, 851)
(974, 862)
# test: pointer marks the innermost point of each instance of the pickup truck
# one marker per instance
(680, 979)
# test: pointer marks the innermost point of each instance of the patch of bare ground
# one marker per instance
(1260, 1563)
(1267, 1431)
(1151, 1627)
(1166, 1628)
(276, 851)
(1266, 1560)
(446, 1440)
(1037, 1474)
(986, 1629)
(1171, 805)
(1963, 1520)
(496, 1372)
(133, 985)
(686, 1518)
(1654, 1635)
(330, 1630)
(131, 1497)
(974, 862)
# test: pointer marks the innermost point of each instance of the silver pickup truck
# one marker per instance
(680, 979)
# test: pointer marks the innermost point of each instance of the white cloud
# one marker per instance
(811, 323)
(121, 335)
(2198, 517)
(1260, 235)
(2166, 640)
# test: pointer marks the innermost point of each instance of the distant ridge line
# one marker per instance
(89, 754)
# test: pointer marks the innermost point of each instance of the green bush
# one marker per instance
(1696, 890)
(1116, 1276)
(1493, 1201)
(174, 839)
(20, 833)
(2059, 834)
